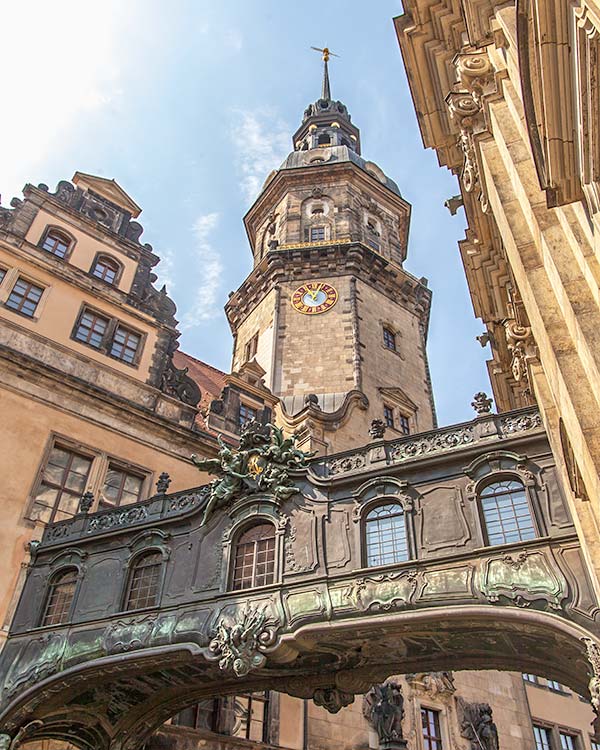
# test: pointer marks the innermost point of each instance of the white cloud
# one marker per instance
(262, 140)
(208, 260)
(166, 270)
(64, 62)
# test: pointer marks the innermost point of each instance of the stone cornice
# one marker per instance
(348, 259)
(321, 175)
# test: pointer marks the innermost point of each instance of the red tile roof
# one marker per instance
(210, 381)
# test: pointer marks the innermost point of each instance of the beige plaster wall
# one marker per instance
(59, 309)
(86, 246)
(28, 427)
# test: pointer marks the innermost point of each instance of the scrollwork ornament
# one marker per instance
(593, 654)
(240, 646)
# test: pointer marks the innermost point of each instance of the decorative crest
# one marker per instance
(261, 464)
(240, 645)
(481, 403)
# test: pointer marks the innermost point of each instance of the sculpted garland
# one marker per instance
(261, 464)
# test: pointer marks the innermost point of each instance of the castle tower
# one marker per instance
(328, 312)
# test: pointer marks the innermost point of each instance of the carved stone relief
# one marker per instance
(442, 520)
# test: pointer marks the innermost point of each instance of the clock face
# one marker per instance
(314, 297)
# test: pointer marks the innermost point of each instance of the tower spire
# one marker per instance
(326, 88)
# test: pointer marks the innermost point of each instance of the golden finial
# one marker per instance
(327, 53)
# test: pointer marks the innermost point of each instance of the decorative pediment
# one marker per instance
(399, 398)
(108, 189)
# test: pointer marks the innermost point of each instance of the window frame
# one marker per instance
(405, 512)
(542, 727)
(497, 478)
(439, 739)
(72, 241)
(389, 410)
(389, 333)
(317, 228)
(251, 347)
(18, 276)
(96, 478)
(65, 568)
(246, 406)
(132, 565)
(243, 529)
(125, 468)
(119, 269)
(109, 334)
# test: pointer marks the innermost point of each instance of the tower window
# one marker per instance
(56, 242)
(388, 415)
(144, 581)
(106, 269)
(385, 535)
(404, 424)
(125, 345)
(530, 678)
(254, 563)
(324, 139)
(91, 329)
(389, 339)
(120, 487)
(317, 234)
(246, 414)
(251, 348)
(432, 734)
(60, 597)
(24, 297)
(372, 243)
(2, 274)
(506, 512)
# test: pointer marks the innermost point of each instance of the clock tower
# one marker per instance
(328, 312)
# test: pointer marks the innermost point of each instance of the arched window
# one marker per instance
(385, 535)
(254, 561)
(506, 512)
(60, 597)
(106, 269)
(56, 242)
(144, 581)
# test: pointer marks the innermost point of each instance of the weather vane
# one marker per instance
(327, 53)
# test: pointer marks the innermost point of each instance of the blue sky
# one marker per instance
(190, 104)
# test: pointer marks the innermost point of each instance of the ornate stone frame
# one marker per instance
(244, 515)
(383, 491)
(120, 268)
(151, 540)
(66, 234)
(520, 471)
(72, 558)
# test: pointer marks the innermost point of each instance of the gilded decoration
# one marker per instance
(261, 464)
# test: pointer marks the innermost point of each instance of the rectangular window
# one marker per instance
(121, 487)
(530, 678)
(372, 243)
(553, 685)
(91, 329)
(388, 415)
(125, 345)
(24, 297)
(2, 274)
(244, 716)
(404, 424)
(246, 414)
(432, 735)
(595, 745)
(63, 482)
(542, 738)
(389, 339)
(317, 234)
(251, 348)
(568, 741)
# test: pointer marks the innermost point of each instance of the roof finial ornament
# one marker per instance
(327, 53)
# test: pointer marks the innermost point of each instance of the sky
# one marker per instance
(190, 104)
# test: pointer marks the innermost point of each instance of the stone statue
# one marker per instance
(262, 463)
(477, 726)
(383, 707)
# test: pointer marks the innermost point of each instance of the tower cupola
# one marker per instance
(326, 122)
